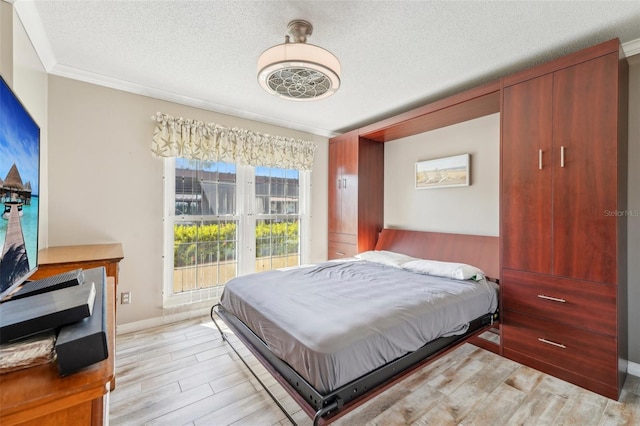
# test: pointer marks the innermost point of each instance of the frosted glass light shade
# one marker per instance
(299, 71)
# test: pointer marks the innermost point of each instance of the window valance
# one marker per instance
(180, 137)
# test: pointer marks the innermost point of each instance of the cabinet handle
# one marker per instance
(339, 183)
(562, 156)
(339, 253)
(555, 299)
(344, 185)
(549, 342)
(539, 159)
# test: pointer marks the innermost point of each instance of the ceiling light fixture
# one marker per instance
(296, 70)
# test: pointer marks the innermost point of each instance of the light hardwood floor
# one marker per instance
(184, 374)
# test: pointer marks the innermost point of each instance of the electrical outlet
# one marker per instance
(125, 298)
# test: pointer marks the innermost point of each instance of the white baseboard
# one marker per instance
(168, 318)
(633, 369)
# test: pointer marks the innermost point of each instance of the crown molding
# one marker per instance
(139, 89)
(631, 48)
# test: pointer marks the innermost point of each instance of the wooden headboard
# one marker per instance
(480, 251)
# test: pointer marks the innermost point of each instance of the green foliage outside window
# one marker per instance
(276, 239)
(217, 242)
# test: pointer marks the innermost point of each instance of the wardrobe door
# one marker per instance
(349, 172)
(343, 185)
(335, 185)
(585, 171)
(527, 175)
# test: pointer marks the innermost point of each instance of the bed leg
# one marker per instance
(264, 386)
(222, 335)
(321, 412)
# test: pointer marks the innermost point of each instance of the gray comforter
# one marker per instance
(335, 321)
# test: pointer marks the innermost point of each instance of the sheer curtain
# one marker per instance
(180, 137)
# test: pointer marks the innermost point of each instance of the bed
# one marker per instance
(331, 347)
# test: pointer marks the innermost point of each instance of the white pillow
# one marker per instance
(385, 257)
(458, 271)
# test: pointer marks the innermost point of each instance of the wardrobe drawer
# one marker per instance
(343, 238)
(578, 303)
(341, 250)
(585, 353)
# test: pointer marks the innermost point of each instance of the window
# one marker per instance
(277, 195)
(225, 220)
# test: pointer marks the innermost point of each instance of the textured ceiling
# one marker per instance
(395, 55)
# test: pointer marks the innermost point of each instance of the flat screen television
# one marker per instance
(19, 190)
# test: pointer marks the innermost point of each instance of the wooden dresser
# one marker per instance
(563, 165)
(356, 194)
(38, 396)
(56, 260)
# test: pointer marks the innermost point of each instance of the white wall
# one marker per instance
(463, 210)
(6, 42)
(105, 186)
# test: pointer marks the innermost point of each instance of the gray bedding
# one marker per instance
(335, 321)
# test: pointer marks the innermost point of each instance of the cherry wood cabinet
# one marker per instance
(560, 172)
(563, 169)
(343, 185)
(585, 100)
(356, 181)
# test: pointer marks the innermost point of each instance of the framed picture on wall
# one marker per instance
(443, 172)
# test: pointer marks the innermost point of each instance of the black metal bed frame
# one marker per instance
(332, 402)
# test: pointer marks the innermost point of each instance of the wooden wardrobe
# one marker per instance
(356, 194)
(563, 223)
(563, 207)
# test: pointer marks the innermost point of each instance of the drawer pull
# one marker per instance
(539, 159)
(549, 342)
(554, 299)
(339, 253)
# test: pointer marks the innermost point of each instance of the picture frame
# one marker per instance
(446, 172)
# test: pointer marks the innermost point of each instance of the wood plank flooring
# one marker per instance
(184, 374)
